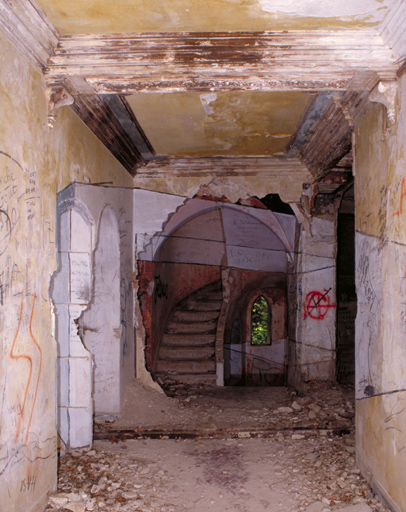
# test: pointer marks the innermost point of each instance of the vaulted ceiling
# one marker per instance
(240, 82)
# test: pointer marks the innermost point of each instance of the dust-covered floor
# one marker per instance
(320, 405)
(279, 452)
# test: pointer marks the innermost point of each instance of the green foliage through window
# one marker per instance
(260, 322)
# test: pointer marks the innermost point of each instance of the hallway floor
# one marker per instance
(229, 449)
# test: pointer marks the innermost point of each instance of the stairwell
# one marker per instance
(187, 350)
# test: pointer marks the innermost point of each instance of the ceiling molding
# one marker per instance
(266, 166)
(27, 27)
(263, 61)
(392, 30)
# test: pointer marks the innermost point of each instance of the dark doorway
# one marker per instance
(346, 295)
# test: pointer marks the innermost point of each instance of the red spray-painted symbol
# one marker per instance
(317, 304)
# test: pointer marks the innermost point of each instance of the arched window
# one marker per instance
(261, 322)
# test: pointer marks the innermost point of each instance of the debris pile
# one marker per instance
(305, 463)
(315, 471)
(99, 481)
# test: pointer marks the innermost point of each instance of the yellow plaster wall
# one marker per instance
(35, 163)
(380, 210)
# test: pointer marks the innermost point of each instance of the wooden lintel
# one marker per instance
(264, 61)
(265, 166)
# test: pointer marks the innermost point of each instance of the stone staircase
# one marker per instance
(187, 350)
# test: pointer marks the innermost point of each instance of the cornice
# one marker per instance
(27, 27)
(262, 61)
(393, 33)
(266, 166)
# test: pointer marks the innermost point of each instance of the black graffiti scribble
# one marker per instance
(161, 289)
(5, 231)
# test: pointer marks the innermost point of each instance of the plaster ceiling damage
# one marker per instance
(127, 16)
(224, 123)
(236, 79)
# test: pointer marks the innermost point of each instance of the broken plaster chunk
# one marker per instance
(357, 507)
(91, 505)
(312, 415)
(74, 497)
(285, 409)
(130, 495)
(297, 436)
(314, 407)
(75, 507)
(317, 506)
(58, 500)
(296, 406)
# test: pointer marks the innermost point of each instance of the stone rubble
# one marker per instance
(313, 458)
(315, 468)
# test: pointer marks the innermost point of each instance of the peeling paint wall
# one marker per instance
(93, 295)
(36, 162)
(312, 303)
(380, 219)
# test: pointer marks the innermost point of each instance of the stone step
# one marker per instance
(188, 339)
(192, 379)
(194, 316)
(209, 295)
(186, 366)
(190, 327)
(201, 305)
(182, 352)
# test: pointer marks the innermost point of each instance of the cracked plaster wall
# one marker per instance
(312, 303)
(380, 221)
(36, 162)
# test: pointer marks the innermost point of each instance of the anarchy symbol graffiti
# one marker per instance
(317, 304)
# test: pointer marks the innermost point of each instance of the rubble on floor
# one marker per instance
(319, 406)
(311, 472)
(305, 463)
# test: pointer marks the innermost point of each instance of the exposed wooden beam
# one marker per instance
(265, 166)
(324, 134)
(99, 117)
(168, 62)
(127, 119)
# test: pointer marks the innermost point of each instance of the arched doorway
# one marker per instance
(242, 248)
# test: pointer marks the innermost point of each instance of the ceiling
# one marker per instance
(221, 78)
(130, 16)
